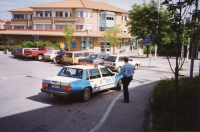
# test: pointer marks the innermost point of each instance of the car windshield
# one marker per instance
(71, 72)
(61, 53)
(111, 58)
(49, 52)
(91, 56)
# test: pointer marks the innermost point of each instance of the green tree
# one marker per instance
(69, 32)
(112, 35)
(144, 21)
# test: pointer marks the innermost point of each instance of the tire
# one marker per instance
(85, 96)
(40, 57)
(54, 59)
(119, 85)
(135, 67)
(118, 69)
(58, 62)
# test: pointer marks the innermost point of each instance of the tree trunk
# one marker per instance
(113, 49)
(147, 51)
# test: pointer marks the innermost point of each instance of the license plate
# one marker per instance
(55, 86)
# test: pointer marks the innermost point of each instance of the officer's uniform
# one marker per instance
(127, 71)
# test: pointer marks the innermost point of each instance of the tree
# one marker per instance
(69, 32)
(112, 36)
(144, 21)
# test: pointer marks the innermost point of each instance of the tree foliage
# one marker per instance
(112, 35)
(69, 32)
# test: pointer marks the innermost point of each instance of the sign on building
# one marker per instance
(73, 44)
(62, 45)
(102, 40)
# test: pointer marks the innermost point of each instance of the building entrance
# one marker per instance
(105, 47)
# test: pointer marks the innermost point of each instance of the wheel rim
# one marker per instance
(40, 57)
(54, 60)
(86, 94)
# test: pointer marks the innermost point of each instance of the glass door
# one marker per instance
(105, 47)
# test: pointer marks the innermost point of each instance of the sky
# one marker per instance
(14, 4)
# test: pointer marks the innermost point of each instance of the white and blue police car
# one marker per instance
(81, 79)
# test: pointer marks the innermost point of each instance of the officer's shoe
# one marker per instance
(126, 101)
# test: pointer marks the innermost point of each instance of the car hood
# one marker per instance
(59, 80)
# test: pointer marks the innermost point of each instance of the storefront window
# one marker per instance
(1, 40)
(23, 38)
(87, 43)
(10, 40)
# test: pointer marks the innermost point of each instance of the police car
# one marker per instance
(81, 79)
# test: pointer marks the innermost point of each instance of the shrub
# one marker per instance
(10, 48)
(188, 105)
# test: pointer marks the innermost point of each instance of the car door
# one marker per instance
(95, 79)
(108, 78)
(120, 61)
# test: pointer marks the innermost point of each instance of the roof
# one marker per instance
(3, 20)
(22, 9)
(83, 66)
(88, 4)
(55, 33)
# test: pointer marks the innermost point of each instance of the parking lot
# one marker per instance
(24, 107)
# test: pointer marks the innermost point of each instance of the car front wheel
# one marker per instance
(135, 67)
(40, 57)
(119, 85)
(86, 94)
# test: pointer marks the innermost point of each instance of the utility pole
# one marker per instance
(193, 43)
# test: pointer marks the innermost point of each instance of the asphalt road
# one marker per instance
(23, 107)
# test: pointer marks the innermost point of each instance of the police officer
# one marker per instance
(127, 71)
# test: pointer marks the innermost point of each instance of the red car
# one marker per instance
(38, 54)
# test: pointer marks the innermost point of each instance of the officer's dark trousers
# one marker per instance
(126, 81)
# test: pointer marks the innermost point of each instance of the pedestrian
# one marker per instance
(62, 50)
(127, 71)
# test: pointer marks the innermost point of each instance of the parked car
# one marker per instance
(38, 54)
(72, 57)
(97, 58)
(115, 62)
(14, 51)
(18, 52)
(51, 55)
(60, 57)
(82, 80)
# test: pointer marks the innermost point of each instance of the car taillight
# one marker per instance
(45, 85)
(22, 54)
(114, 64)
(66, 88)
(103, 63)
(62, 59)
(49, 56)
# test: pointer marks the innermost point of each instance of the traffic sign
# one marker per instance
(153, 37)
(147, 37)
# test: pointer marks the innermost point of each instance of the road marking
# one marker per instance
(106, 114)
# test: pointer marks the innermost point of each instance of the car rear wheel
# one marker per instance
(135, 67)
(86, 94)
(54, 59)
(40, 57)
(119, 85)
(119, 69)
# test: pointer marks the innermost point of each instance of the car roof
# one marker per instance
(84, 66)
(118, 55)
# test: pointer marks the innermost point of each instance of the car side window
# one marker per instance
(103, 56)
(121, 59)
(51, 48)
(87, 75)
(129, 59)
(94, 73)
(105, 72)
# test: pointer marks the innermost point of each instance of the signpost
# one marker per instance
(36, 38)
(147, 42)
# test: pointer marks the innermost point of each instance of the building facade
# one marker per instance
(89, 19)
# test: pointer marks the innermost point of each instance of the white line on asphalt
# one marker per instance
(103, 119)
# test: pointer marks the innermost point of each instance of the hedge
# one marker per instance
(30, 44)
(188, 105)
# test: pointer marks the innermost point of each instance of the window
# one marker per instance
(31, 27)
(59, 14)
(68, 55)
(119, 46)
(87, 75)
(70, 72)
(47, 13)
(60, 27)
(56, 52)
(105, 72)
(39, 26)
(18, 16)
(94, 73)
(86, 14)
(31, 16)
(79, 27)
(81, 14)
(125, 18)
(122, 18)
(111, 58)
(88, 43)
(51, 48)
(19, 27)
(47, 27)
(25, 16)
(53, 41)
(68, 14)
(90, 14)
(77, 14)
(39, 13)
(121, 59)
(49, 52)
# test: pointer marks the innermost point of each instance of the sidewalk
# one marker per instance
(133, 116)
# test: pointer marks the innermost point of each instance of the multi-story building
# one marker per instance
(89, 19)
